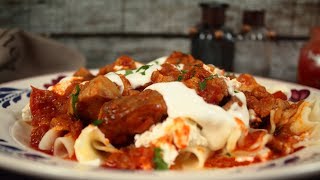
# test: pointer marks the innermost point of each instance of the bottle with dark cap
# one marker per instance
(253, 48)
(211, 41)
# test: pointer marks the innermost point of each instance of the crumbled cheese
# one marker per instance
(172, 136)
(26, 113)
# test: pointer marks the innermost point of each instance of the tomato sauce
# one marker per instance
(221, 161)
(48, 110)
(131, 158)
(282, 141)
(280, 95)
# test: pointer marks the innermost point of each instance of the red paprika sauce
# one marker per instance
(48, 110)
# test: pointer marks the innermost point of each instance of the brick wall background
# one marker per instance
(145, 29)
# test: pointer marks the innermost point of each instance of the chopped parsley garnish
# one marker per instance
(143, 69)
(211, 77)
(158, 160)
(180, 77)
(184, 71)
(74, 100)
(203, 84)
(97, 122)
(127, 72)
(235, 91)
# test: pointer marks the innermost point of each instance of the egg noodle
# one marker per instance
(172, 113)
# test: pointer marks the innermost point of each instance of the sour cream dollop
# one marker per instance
(216, 123)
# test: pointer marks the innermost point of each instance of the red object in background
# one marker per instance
(309, 62)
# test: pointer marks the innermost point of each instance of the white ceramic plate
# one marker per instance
(17, 156)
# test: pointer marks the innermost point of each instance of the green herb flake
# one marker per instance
(184, 71)
(74, 99)
(210, 77)
(203, 85)
(158, 160)
(235, 91)
(143, 69)
(97, 122)
(128, 72)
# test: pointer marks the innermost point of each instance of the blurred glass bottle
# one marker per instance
(211, 41)
(253, 47)
(309, 61)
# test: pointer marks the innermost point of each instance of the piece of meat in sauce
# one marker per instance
(85, 73)
(187, 60)
(92, 96)
(210, 87)
(262, 102)
(122, 63)
(129, 115)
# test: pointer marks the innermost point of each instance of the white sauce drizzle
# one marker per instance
(117, 68)
(158, 61)
(114, 77)
(138, 79)
(240, 112)
(142, 77)
(180, 66)
(63, 84)
(213, 70)
(217, 124)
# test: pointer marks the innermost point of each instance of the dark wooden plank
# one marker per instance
(307, 14)
(14, 14)
(148, 16)
(100, 51)
(76, 16)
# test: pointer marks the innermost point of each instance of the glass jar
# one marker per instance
(253, 46)
(309, 61)
(211, 41)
